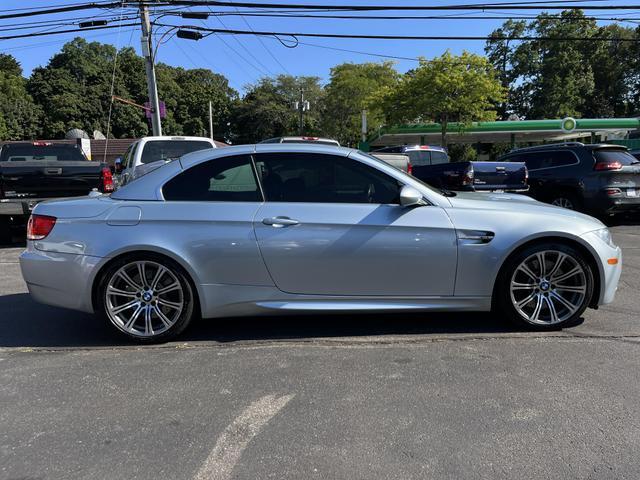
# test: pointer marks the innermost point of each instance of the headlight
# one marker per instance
(605, 236)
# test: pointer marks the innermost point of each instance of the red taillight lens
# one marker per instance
(39, 226)
(409, 168)
(612, 192)
(468, 177)
(107, 180)
(608, 165)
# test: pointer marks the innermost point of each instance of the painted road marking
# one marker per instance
(235, 438)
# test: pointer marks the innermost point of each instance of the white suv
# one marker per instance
(148, 153)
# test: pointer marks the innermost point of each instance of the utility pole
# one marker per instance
(210, 120)
(302, 106)
(301, 111)
(147, 53)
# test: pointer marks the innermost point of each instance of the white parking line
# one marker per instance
(235, 438)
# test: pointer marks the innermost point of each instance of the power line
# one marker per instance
(262, 43)
(521, 5)
(70, 8)
(505, 16)
(295, 35)
(58, 32)
(262, 65)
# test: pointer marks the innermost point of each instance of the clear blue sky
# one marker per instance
(240, 67)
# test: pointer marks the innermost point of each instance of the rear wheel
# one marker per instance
(147, 299)
(545, 286)
(566, 200)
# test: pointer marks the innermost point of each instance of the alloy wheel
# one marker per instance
(564, 203)
(144, 298)
(548, 287)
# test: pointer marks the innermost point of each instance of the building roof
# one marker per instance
(504, 131)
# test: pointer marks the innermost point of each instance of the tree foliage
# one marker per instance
(268, 108)
(446, 89)
(559, 77)
(19, 115)
(349, 91)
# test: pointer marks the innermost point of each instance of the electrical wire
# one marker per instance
(295, 35)
(268, 50)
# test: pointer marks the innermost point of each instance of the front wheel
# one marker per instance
(545, 287)
(147, 299)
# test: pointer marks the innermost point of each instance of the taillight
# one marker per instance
(468, 176)
(409, 168)
(39, 226)
(608, 165)
(613, 192)
(107, 180)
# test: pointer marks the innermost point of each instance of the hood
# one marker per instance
(514, 203)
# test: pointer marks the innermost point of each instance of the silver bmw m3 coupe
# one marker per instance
(275, 228)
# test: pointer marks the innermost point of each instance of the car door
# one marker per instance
(332, 225)
(209, 211)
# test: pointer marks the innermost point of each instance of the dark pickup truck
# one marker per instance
(431, 165)
(34, 171)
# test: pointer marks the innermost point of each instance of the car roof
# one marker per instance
(567, 145)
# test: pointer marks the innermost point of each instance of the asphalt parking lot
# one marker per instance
(385, 396)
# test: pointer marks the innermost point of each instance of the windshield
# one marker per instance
(155, 150)
(41, 153)
(622, 156)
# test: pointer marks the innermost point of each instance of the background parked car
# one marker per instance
(398, 160)
(316, 140)
(142, 153)
(597, 178)
(35, 171)
(432, 165)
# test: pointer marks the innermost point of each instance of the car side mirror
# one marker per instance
(410, 197)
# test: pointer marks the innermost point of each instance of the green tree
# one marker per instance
(350, 91)
(19, 115)
(268, 109)
(446, 89)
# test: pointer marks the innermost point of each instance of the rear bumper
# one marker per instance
(605, 204)
(19, 207)
(59, 279)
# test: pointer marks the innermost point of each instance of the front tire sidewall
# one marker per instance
(178, 327)
(503, 292)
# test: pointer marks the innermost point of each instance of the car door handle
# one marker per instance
(279, 222)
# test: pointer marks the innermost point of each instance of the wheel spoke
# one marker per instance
(526, 300)
(575, 289)
(142, 274)
(553, 314)
(523, 286)
(123, 275)
(125, 306)
(167, 303)
(536, 311)
(574, 271)
(169, 288)
(163, 318)
(566, 303)
(541, 264)
(133, 318)
(558, 263)
(156, 278)
(148, 327)
(523, 268)
(121, 293)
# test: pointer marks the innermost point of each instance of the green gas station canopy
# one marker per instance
(505, 131)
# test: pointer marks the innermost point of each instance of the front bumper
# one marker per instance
(60, 279)
(609, 273)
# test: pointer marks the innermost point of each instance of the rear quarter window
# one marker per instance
(622, 156)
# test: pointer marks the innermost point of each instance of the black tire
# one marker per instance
(566, 199)
(506, 299)
(188, 298)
